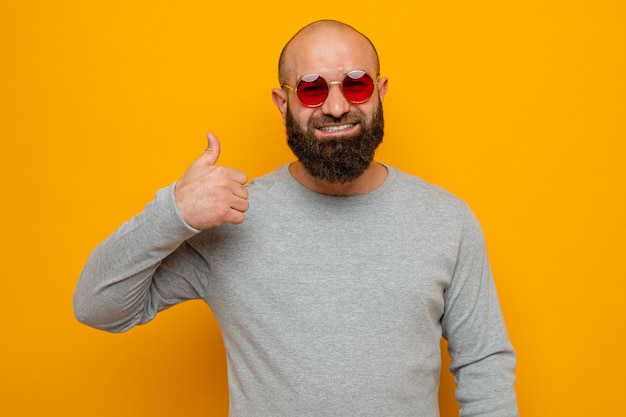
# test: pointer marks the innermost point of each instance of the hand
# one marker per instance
(209, 195)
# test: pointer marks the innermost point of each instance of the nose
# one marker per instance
(336, 104)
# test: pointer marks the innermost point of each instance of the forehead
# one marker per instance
(329, 52)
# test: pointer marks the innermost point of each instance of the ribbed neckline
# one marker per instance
(292, 183)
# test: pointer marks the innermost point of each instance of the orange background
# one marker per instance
(518, 107)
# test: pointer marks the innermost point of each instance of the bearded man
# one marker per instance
(333, 278)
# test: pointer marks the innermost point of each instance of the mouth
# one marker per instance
(343, 128)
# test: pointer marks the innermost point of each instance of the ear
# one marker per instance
(382, 84)
(279, 97)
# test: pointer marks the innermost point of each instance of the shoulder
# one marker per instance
(414, 190)
(274, 189)
(279, 176)
(436, 207)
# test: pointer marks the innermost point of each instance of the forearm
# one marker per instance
(114, 290)
(486, 388)
(483, 359)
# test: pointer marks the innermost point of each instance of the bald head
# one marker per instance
(315, 33)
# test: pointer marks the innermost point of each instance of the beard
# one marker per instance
(336, 160)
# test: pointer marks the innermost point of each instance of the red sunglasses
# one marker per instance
(312, 89)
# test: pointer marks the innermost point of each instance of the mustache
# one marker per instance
(347, 118)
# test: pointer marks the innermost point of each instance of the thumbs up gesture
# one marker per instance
(209, 195)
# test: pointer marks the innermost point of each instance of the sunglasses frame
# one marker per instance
(329, 84)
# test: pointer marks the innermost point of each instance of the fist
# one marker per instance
(209, 195)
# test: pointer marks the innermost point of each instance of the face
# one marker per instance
(336, 141)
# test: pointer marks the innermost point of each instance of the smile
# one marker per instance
(336, 128)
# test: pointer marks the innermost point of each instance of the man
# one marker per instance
(334, 278)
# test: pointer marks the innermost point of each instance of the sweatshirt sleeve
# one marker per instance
(129, 277)
(483, 359)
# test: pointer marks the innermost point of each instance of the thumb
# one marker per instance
(212, 151)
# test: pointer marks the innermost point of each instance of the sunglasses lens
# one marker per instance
(358, 86)
(312, 90)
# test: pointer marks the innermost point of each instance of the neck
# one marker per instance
(370, 180)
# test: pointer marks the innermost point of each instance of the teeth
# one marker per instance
(335, 128)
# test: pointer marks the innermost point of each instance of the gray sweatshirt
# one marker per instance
(328, 306)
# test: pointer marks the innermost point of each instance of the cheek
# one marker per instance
(301, 115)
(372, 104)
(370, 109)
